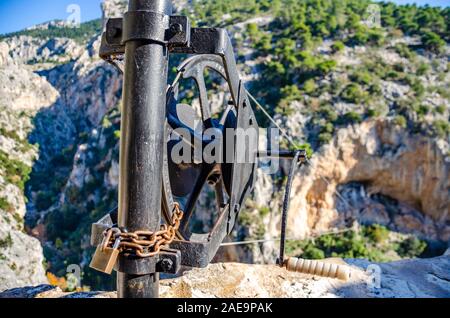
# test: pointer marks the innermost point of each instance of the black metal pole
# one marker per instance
(282, 154)
(142, 138)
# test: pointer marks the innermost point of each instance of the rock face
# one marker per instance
(21, 259)
(21, 89)
(404, 279)
(387, 161)
(22, 94)
(116, 8)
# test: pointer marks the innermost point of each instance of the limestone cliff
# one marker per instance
(22, 94)
(385, 160)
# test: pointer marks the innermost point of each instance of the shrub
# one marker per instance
(353, 117)
(422, 110)
(441, 128)
(353, 93)
(376, 37)
(399, 67)
(400, 121)
(325, 138)
(433, 42)
(7, 242)
(328, 128)
(5, 205)
(422, 69)
(252, 29)
(328, 113)
(373, 112)
(411, 247)
(441, 109)
(365, 35)
(16, 171)
(264, 211)
(362, 77)
(309, 86)
(404, 51)
(326, 67)
(337, 47)
(375, 90)
(377, 233)
(418, 88)
(312, 252)
(308, 148)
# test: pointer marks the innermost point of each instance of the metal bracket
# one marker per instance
(139, 25)
(168, 261)
(179, 34)
(114, 31)
(120, 30)
(180, 38)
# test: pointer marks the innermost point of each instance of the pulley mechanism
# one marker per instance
(164, 167)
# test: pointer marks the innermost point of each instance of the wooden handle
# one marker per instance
(317, 268)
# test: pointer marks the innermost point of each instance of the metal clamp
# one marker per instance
(176, 33)
(139, 25)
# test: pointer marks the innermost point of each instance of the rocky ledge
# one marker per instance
(403, 279)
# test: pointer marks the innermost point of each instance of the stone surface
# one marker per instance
(22, 94)
(403, 279)
(21, 262)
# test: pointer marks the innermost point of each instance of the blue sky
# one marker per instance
(16, 15)
(19, 14)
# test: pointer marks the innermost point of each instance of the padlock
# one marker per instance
(105, 257)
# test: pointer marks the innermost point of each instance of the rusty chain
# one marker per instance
(144, 244)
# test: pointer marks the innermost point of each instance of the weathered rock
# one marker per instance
(20, 88)
(114, 8)
(43, 53)
(403, 279)
(389, 161)
(21, 259)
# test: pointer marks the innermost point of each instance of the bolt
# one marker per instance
(166, 265)
(114, 32)
(176, 28)
(214, 179)
(279, 262)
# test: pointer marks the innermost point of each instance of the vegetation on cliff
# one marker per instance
(374, 243)
(81, 34)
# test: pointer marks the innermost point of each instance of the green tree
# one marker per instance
(338, 46)
(433, 42)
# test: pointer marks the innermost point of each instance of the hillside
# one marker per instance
(371, 104)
